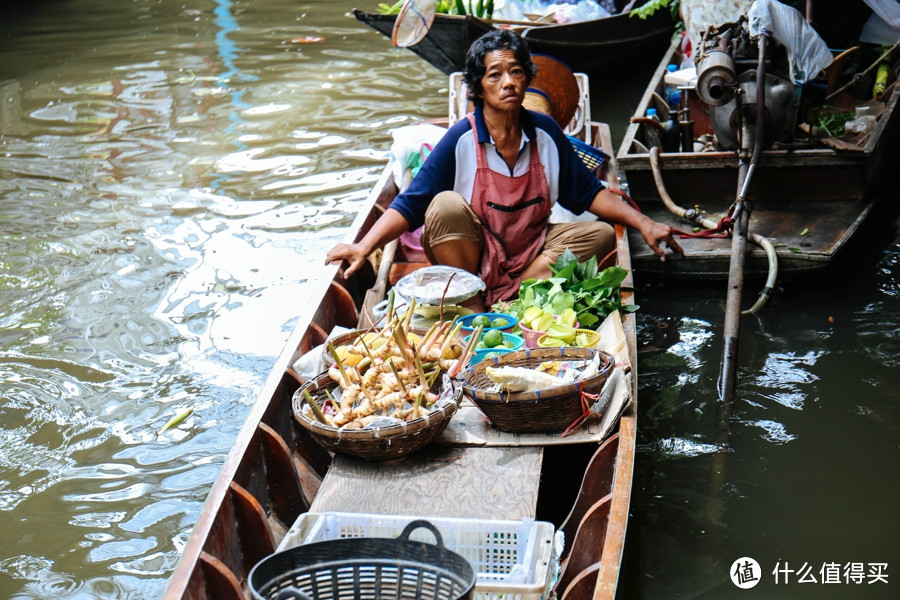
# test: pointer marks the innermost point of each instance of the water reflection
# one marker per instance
(170, 175)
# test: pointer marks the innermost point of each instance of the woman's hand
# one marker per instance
(656, 234)
(388, 227)
(353, 254)
(608, 204)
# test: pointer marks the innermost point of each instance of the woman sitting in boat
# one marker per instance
(486, 191)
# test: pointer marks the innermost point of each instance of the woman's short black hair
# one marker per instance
(496, 39)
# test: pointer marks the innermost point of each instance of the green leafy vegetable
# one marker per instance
(591, 293)
(832, 123)
(648, 9)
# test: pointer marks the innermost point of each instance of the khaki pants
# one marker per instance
(449, 217)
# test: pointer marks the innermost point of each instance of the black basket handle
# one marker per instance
(413, 525)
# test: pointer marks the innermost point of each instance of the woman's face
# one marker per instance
(504, 82)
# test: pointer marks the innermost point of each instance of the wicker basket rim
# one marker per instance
(539, 354)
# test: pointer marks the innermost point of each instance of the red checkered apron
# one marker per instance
(513, 212)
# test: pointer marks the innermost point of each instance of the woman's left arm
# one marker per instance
(609, 206)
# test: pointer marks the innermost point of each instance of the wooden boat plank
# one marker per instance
(828, 226)
(587, 547)
(614, 542)
(441, 481)
(596, 483)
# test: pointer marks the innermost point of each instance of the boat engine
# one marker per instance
(727, 63)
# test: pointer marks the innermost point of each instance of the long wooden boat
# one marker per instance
(808, 201)
(276, 473)
(599, 47)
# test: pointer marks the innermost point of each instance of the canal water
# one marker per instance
(171, 174)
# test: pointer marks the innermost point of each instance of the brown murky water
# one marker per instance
(171, 174)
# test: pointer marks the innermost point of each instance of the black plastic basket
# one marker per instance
(365, 569)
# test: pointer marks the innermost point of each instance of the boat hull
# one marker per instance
(809, 202)
(599, 48)
(276, 471)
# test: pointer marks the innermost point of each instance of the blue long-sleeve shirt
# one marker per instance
(452, 165)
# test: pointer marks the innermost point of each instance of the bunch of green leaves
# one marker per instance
(481, 8)
(832, 123)
(592, 293)
(648, 9)
(390, 9)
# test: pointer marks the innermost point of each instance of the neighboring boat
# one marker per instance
(276, 472)
(808, 199)
(597, 47)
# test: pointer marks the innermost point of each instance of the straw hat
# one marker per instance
(554, 90)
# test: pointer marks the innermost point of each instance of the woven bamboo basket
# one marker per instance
(371, 444)
(551, 410)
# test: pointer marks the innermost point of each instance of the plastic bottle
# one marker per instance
(671, 88)
(672, 134)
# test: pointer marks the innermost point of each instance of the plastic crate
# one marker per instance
(513, 560)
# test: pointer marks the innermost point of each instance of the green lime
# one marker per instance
(481, 320)
(499, 322)
(492, 338)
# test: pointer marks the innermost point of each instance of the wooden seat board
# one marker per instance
(440, 481)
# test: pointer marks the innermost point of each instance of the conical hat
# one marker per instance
(554, 90)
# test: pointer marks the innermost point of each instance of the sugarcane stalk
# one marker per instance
(409, 315)
(315, 407)
(389, 313)
(448, 341)
(400, 338)
(421, 373)
(339, 364)
(435, 338)
(432, 331)
(417, 405)
(467, 352)
(400, 382)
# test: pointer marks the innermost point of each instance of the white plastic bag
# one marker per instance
(581, 11)
(807, 51)
(408, 140)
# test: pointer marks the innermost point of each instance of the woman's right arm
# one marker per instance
(387, 228)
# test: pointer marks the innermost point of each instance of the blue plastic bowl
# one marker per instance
(479, 355)
(467, 321)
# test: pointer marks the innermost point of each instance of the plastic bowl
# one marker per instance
(533, 335)
(593, 335)
(467, 321)
(479, 355)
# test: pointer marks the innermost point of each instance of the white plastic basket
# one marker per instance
(513, 560)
